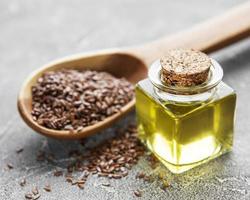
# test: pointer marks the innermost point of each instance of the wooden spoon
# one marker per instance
(132, 63)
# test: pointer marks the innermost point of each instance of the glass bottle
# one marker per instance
(185, 126)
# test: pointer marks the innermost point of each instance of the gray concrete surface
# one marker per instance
(34, 32)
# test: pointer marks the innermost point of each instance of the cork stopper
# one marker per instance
(185, 68)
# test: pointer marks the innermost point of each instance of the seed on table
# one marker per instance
(40, 156)
(74, 182)
(37, 196)
(19, 150)
(10, 166)
(138, 193)
(58, 173)
(140, 175)
(165, 184)
(106, 184)
(125, 173)
(107, 159)
(50, 157)
(88, 100)
(28, 196)
(22, 182)
(116, 176)
(69, 179)
(147, 178)
(47, 188)
(81, 181)
(110, 176)
(81, 186)
(35, 191)
(103, 174)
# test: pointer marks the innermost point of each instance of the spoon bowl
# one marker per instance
(132, 63)
(112, 61)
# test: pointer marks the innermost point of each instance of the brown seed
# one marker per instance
(106, 184)
(10, 166)
(58, 173)
(165, 184)
(108, 159)
(94, 172)
(22, 182)
(19, 150)
(37, 196)
(124, 174)
(50, 157)
(116, 176)
(69, 179)
(40, 156)
(140, 175)
(47, 188)
(81, 181)
(103, 174)
(138, 193)
(28, 196)
(147, 178)
(81, 186)
(35, 191)
(74, 182)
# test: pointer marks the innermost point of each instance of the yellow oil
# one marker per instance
(184, 135)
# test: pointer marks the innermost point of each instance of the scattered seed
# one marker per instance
(138, 193)
(47, 188)
(103, 174)
(116, 176)
(147, 178)
(28, 196)
(19, 150)
(40, 156)
(111, 159)
(37, 196)
(58, 173)
(35, 191)
(81, 186)
(81, 181)
(74, 182)
(165, 184)
(106, 184)
(50, 157)
(69, 179)
(10, 166)
(140, 175)
(124, 173)
(22, 182)
(153, 161)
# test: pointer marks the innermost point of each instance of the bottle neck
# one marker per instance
(191, 98)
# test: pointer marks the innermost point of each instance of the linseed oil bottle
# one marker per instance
(185, 113)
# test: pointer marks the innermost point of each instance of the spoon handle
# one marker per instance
(209, 36)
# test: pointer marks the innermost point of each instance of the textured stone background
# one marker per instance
(34, 32)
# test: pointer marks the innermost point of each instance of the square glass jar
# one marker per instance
(185, 130)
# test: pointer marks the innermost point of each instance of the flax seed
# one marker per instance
(19, 150)
(138, 193)
(88, 96)
(28, 196)
(10, 166)
(35, 191)
(47, 188)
